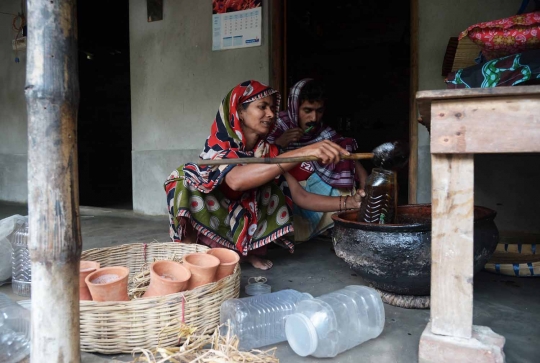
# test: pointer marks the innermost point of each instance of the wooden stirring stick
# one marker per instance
(296, 159)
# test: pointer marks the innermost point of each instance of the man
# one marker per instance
(301, 125)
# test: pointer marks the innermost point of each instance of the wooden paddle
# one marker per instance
(297, 159)
(390, 155)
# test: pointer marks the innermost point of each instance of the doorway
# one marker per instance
(104, 122)
(361, 51)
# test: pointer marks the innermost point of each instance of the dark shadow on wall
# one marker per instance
(104, 125)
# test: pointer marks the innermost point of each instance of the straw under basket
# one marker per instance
(119, 327)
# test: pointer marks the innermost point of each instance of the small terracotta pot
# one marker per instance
(85, 269)
(109, 284)
(167, 277)
(228, 260)
(203, 268)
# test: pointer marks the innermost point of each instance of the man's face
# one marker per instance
(310, 112)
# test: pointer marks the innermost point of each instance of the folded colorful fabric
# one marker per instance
(506, 36)
(506, 71)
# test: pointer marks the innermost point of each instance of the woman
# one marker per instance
(244, 207)
(302, 125)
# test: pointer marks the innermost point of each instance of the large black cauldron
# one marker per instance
(397, 257)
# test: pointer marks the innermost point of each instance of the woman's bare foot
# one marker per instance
(259, 263)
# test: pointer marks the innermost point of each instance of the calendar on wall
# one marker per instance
(236, 24)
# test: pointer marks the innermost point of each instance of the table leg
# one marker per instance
(450, 336)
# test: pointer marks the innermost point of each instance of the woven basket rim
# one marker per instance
(120, 326)
(90, 303)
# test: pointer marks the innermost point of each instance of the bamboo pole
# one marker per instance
(295, 159)
(52, 93)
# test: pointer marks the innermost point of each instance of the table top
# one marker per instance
(425, 98)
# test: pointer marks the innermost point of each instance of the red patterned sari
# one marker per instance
(198, 195)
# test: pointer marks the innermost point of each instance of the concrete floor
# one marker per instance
(508, 305)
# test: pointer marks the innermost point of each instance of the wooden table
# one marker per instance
(462, 123)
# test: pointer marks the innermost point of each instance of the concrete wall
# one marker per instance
(13, 121)
(506, 183)
(177, 83)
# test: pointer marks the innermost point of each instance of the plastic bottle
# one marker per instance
(379, 204)
(260, 320)
(14, 331)
(333, 323)
(20, 263)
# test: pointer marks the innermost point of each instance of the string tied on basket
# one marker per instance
(145, 246)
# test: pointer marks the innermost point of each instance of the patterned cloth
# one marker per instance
(197, 193)
(340, 175)
(507, 71)
(506, 36)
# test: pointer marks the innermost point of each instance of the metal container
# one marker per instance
(20, 262)
(397, 257)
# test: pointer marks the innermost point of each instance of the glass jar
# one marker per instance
(380, 203)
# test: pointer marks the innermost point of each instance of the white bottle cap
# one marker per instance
(301, 334)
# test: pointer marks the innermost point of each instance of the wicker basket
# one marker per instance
(459, 54)
(119, 327)
(516, 255)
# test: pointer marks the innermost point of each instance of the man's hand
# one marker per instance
(291, 135)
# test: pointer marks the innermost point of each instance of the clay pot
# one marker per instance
(85, 269)
(203, 268)
(397, 257)
(228, 259)
(167, 277)
(109, 284)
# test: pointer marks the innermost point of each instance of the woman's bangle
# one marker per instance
(340, 204)
(283, 170)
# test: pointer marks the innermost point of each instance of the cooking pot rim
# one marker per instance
(484, 214)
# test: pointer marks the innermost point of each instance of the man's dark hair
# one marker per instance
(312, 91)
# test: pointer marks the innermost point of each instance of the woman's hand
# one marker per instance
(355, 201)
(291, 135)
(326, 151)
(322, 203)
